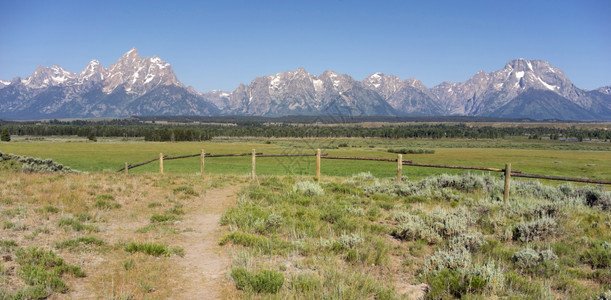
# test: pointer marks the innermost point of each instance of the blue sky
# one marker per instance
(220, 44)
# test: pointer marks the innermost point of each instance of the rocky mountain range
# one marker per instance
(131, 86)
(148, 86)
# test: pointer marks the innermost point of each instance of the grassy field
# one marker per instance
(591, 160)
(348, 237)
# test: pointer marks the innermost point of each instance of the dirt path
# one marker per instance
(205, 263)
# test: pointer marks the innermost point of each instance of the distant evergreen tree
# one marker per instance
(5, 135)
(91, 136)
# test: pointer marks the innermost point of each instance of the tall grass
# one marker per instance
(451, 232)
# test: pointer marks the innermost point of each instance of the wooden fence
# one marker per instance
(399, 160)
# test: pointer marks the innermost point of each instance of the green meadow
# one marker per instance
(546, 157)
(357, 234)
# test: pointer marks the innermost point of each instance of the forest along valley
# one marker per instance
(73, 227)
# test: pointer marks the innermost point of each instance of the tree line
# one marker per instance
(201, 132)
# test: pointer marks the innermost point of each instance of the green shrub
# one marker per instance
(42, 270)
(543, 210)
(603, 276)
(462, 281)
(451, 223)
(411, 151)
(83, 217)
(7, 246)
(175, 211)
(470, 241)
(154, 249)
(187, 190)
(373, 213)
(8, 224)
(349, 241)
(413, 227)
(342, 188)
(76, 225)
(447, 284)
(447, 260)
(254, 241)
(5, 136)
(28, 292)
(129, 264)
(526, 258)
(597, 198)
(241, 277)
(306, 283)
(107, 197)
(264, 281)
(599, 256)
(154, 204)
(535, 230)
(50, 209)
(441, 223)
(73, 243)
(163, 218)
(105, 204)
(540, 263)
(273, 222)
(333, 213)
(308, 188)
(267, 281)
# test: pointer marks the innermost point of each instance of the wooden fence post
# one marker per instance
(253, 174)
(202, 162)
(126, 168)
(507, 179)
(399, 167)
(318, 165)
(160, 163)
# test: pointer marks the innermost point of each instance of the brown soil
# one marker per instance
(205, 263)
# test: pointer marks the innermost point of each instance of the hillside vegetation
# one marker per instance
(371, 238)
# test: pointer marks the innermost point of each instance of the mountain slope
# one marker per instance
(409, 97)
(540, 105)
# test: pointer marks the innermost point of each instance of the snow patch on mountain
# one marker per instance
(318, 85)
(548, 86)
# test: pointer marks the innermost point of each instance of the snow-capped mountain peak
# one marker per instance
(139, 75)
(94, 72)
(382, 83)
(605, 90)
(49, 76)
(130, 56)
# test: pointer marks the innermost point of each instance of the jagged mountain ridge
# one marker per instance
(148, 86)
(301, 93)
(489, 94)
(131, 86)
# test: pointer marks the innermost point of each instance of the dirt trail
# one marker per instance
(205, 263)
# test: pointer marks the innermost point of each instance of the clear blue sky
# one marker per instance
(220, 44)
